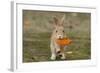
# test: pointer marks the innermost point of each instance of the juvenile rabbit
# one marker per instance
(57, 33)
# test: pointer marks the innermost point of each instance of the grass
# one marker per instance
(36, 48)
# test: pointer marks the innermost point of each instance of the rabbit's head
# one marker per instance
(59, 28)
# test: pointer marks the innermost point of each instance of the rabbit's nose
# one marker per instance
(60, 37)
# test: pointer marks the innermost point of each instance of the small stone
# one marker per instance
(69, 52)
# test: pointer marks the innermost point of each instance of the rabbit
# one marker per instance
(58, 32)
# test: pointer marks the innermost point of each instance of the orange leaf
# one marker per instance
(63, 42)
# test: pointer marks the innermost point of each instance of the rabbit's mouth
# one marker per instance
(60, 36)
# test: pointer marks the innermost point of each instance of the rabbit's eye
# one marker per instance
(63, 30)
(56, 31)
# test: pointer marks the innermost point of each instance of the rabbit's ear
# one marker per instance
(62, 20)
(55, 20)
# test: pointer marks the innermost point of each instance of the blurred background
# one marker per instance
(37, 29)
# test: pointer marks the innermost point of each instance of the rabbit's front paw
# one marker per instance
(53, 57)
